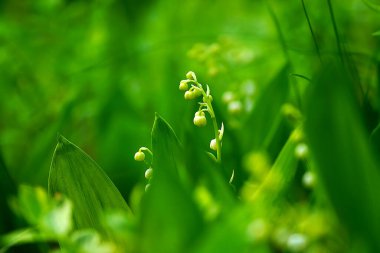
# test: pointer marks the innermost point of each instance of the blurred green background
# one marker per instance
(97, 71)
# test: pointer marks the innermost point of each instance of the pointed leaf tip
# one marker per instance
(76, 175)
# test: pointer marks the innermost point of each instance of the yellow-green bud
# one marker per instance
(149, 173)
(139, 156)
(197, 93)
(200, 119)
(183, 85)
(207, 98)
(191, 76)
(189, 95)
(213, 145)
(147, 187)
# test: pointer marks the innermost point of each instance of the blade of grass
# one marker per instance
(311, 30)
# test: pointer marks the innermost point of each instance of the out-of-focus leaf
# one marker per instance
(266, 116)
(16, 237)
(345, 161)
(7, 188)
(227, 236)
(33, 204)
(281, 173)
(376, 33)
(53, 216)
(74, 174)
(88, 241)
(170, 220)
(371, 4)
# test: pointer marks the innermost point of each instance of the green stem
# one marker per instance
(218, 143)
(210, 110)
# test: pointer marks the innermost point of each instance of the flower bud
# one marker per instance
(183, 85)
(191, 76)
(197, 93)
(235, 107)
(147, 187)
(189, 95)
(139, 156)
(207, 98)
(228, 96)
(297, 243)
(308, 179)
(149, 173)
(301, 151)
(200, 119)
(213, 145)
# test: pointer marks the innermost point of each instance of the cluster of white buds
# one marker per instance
(140, 157)
(193, 89)
(240, 101)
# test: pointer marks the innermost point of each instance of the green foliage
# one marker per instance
(343, 153)
(274, 150)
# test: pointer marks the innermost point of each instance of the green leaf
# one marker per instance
(22, 236)
(227, 235)
(281, 174)
(377, 33)
(74, 174)
(170, 219)
(7, 188)
(346, 164)
(374, 6)
(266, 116)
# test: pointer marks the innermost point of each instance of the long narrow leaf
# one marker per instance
(347, 167)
